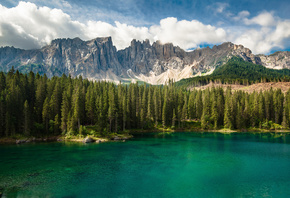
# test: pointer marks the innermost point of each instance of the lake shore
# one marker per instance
(124, 137)
(212, 130)
(87, 139)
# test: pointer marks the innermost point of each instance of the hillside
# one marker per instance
(257, 87)
(237, 71)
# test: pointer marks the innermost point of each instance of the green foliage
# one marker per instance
(33, 105)
(238, 71)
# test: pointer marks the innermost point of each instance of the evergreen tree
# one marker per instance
(214, 114)
(45, 114)
(164, 113)
(228, 111)
(27, 121)
(173, 119)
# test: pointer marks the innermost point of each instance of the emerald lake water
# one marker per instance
(151, 165)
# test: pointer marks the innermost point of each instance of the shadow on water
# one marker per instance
(279, 137)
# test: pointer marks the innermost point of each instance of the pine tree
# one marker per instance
(90, 106)
(56, 124)
(112, 106)
(199, 105)
(191, 106)
(144, 107)
(227, 114)
(65, 110)
(164, 113)
(27, 121)
(149, 106)
(173, 119)
(285, 121)
(124, 112)
(2, 114)
(45, 114)
(214, 114)
(156, 107)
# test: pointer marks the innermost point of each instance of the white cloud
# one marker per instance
(36, 26)
(220, 7)
(271, 33)
(187, 34)
(122, 34)
(263, 19)
(28, 26)
(242, 15)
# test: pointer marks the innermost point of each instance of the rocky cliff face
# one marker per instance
(278, 60)
(98, 59)
(94, 59)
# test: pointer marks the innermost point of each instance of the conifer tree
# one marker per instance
(156, 107)
(227, 115)
(27, 121)
(285, 121)
(214, 114)
(65, 110)
(124, 112)
(173, 119)
(45, 114)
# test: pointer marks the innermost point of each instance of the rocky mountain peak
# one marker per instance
(153, 63)
(66, 42)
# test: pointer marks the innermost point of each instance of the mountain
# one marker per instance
(98, 59)
(240, 72)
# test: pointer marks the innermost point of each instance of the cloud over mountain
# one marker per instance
(29, 26)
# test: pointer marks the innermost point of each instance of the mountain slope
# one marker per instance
(236, 70)
(155, 63)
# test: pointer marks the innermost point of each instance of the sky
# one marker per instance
(260, 25)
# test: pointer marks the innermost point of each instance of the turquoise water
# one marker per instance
(151, 165)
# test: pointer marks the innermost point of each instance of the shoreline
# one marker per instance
(124, 137)
(212, 131)
(87, 139)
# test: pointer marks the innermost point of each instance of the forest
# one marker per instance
(238, 71)
(34, 105)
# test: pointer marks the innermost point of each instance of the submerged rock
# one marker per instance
(118, 138)
(21, 141)
(88, 140)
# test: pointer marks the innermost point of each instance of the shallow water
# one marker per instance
(150, 165)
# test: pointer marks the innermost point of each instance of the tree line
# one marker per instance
(34, 105)
(239, 72)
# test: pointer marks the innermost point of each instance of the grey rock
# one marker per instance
(21, 141)
(99, 59)
(118, 138)
(88, 140)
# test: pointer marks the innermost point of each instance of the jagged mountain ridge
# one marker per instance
(98, 59)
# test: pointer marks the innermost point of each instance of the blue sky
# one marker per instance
(149, 12)
(261, 25)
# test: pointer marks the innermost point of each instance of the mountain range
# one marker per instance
(156, 63)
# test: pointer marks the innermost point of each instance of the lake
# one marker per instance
(185, 164)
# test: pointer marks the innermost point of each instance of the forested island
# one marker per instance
(34, 105)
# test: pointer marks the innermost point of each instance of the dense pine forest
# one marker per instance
(33, 105)
(238, 71)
